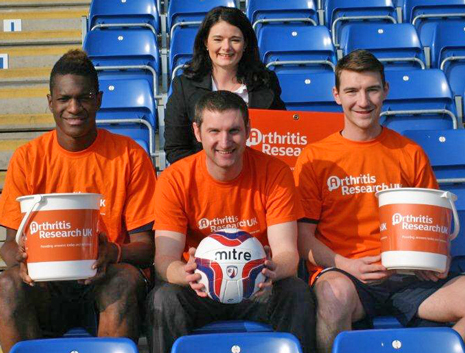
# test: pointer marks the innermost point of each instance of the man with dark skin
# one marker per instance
(79, 157)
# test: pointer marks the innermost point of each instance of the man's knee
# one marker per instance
(121, 283)
(165, 298)
(336, 295)
(11, 285)
(294, 288)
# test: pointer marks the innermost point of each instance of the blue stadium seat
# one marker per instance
(411, 340)
(87, 345)
(444, 149)
(418, 100)
(233, 326)
(397, 46)
(128, 108)
(192, 12)
(297, 47)
(262, 12)
(308, 91)
(339, 12)
(133, 51)
(269, 342)
(181, 49)
(110, 13)
(424, 14)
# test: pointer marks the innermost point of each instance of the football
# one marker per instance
(230, 262)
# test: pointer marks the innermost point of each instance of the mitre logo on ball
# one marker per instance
(230, 263)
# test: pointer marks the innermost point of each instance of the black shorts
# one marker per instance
(63, 305)
(399, 296)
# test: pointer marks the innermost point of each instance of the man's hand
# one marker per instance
(107, 253)
(269, 272)
(366, 269)
(433, 276)
(193, 278)
(21, 258)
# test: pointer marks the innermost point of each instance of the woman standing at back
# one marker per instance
(225, 57)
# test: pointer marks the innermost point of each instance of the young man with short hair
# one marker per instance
(227, 185)
(77, 157)
(337, 179)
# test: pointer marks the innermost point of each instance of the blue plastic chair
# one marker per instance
(395, 45)
(418, 100)
(261, 12)
(444, 149)
(129, 13)
(233, 326)
(128, 108)
(269, 342)
(288, 48)
(339, 12)
(181, 49)
(425, 14)
(83, 345)
(127, 52)
(308, 91)
(191, 13)
(411, 340)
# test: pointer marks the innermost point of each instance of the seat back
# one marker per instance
(270, 342)
(339, 12)
(412, 340)
(233, 326)
(395, 45)
(182, 12)
(133, 50)
(128, 108)
(140, 13)
(81, 344)
(424, 14)
(310, 91)
(261, 12)
(181, 49)
(297, 47)
(418, 100)
(444, 150)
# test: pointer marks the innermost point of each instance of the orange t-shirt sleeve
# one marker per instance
(283, 204)
(169, 208)
(307, 186)
(425, 176)
(140, 193)
(15, 186)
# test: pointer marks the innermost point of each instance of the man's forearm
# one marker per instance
(171, 270)
(8, 253)
(286, 264)
(138, 253)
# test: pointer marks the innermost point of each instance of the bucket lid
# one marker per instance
(435, 191)
(77, 194)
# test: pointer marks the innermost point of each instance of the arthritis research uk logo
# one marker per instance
(360, 184)
(275, 144)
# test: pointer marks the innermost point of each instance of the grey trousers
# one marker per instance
(175, 311)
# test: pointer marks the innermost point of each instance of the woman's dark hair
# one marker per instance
(250, 68)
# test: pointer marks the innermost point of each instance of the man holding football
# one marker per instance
(227, 185)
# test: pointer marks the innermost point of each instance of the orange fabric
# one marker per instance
(191, 202)
(114, 166)
(337, 180)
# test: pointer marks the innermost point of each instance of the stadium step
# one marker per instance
(9, 142)
(42, 3)
(71, 36)
(24, 100)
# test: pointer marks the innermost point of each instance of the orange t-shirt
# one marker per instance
(191, 202)
(337, 180)
(114, 166)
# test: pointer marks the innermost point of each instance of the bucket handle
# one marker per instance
(450, 196)
(36, 200)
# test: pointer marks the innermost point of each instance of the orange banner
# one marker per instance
(284, 134)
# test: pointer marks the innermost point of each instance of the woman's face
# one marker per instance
(225, 45)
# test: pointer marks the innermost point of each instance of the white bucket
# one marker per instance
(415, 227)
(60, 234)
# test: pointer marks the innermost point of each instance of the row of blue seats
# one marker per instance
(108, 12)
